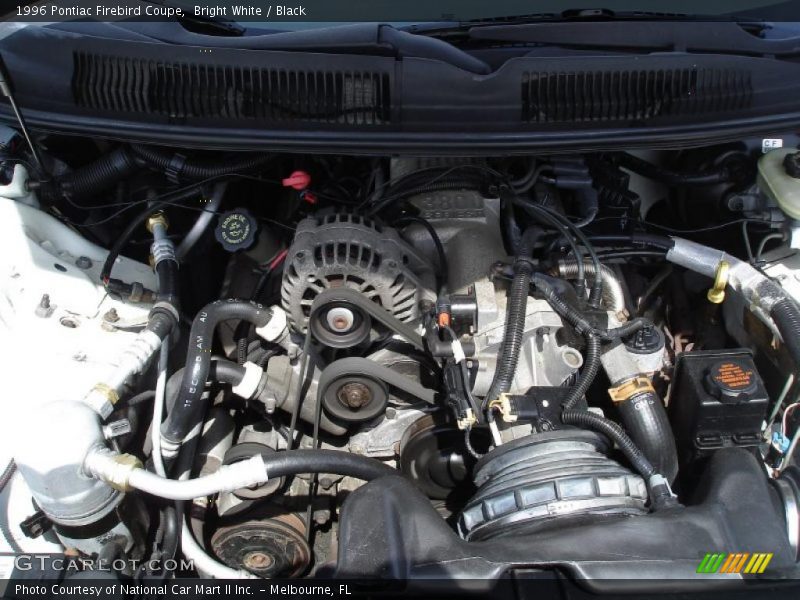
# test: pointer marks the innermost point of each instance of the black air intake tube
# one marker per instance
(646, 420)
(94, 178)
(189, 410)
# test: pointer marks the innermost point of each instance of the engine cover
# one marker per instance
(345, 250)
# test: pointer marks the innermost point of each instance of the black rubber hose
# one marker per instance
(190, 407)
(645, 419)
(225, 371)
(138, 221)
(787, 320)
(179, 167)
(591, 367)
(167, 273)
(563, 228)
(651, 171)
(170, 539)
(335, 462)
(589, 420)
(645, 239)
(140, 398)
(161, 322)
(516, 309)
(92, 179)
(575, 317)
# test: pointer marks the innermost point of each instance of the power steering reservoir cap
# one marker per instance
(731, 381)
(236, 230)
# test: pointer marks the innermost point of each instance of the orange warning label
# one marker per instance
(733, 375)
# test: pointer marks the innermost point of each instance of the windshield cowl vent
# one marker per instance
(627, 95)
(183, 91)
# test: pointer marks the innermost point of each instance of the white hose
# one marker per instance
(204, 563)
(158, 408)
(227, 479)
(193, 551)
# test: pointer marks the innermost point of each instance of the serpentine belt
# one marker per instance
(368, 307)
(365, 367)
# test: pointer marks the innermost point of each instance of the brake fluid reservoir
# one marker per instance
(779, 178)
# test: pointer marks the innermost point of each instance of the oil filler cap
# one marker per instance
(236, 230)
(731, 381)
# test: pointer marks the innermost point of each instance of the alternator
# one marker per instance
(345, 250)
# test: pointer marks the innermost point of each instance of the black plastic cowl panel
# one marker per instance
(205, 90)
(142, 89)
(633, 95)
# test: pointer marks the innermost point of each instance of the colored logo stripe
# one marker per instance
(737, 562)
(711, 562)
(758, 564)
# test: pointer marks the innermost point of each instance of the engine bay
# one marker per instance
(291, 365)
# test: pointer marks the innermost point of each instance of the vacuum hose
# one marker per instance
(589, 420)
(516, 308)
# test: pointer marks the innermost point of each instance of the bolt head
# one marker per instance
(257, 560)
(83, 262)
(354, 395)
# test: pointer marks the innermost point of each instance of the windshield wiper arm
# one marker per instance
(661, 35)
(545, 28)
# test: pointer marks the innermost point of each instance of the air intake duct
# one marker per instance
(560, 477)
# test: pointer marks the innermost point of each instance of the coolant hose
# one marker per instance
(179, 167)
(187, 415)
(645, 419)
(226, 371)
(787, 320)
(335, 462)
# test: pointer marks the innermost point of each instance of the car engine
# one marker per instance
(281, 366)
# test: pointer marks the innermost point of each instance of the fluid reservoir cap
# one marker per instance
(236, 229)
(791, 164)
(731, 381)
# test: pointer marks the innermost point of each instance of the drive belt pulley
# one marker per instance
(357, 389)
(343, 318)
